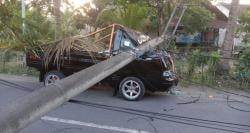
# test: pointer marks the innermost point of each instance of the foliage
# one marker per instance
(68, 24)
(55, 52)
(39, 25)
(6, 56)
(196, 59)
(158, 11)
(243, 68)
(18, 70)
(212, 64)
(151, 16)
(11, 35)
(244, 21)
(133, 16)
(10, 64)
(202, 66)
(10, 23)
(145, 15)
(91, 11)
(197, 19)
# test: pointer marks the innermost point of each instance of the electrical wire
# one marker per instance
(235, 101)
(56, 129)
(149, 121)
(229, 92)
(7, 83)
(68, 128)
(192, 101)
(171, 118)
(155, 115)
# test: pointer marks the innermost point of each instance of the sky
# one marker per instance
(245, 1)
(224, 9)
(77, 3)
(229, 1)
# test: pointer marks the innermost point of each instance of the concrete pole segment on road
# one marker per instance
(25, 110)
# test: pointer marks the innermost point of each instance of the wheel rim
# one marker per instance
(52, 78)
(131, 89)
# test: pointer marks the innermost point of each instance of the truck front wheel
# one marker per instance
(132, 88)
(52, 76)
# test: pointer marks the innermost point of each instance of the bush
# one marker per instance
(202, 66)
(213, 62)
(243, 68)
(197, 59)
(11, 63)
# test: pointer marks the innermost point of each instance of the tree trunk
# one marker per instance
(227, 48)
(231, 26)
(57, 14)
(160, 16)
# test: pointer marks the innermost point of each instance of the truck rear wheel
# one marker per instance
(52, 76)
(132, 88)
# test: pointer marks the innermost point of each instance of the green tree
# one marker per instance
(158, 11)
(197, 17)
(243, 68)
(244, 21)
(40, 26)
(91, 11)
(134, 16)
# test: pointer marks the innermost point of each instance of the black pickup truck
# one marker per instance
(152, 71)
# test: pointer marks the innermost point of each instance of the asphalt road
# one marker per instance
(193, 110)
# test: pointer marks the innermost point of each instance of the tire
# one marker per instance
(131, 88)
(52, 76)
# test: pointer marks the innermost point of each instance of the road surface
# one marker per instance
(193, 109)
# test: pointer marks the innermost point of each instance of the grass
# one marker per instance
(18, 70)
(12, 62)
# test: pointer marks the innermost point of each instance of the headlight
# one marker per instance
(168, 75)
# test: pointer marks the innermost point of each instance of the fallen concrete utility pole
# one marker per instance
(31, 107)
(22, 112)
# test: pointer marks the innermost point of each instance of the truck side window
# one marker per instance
(125, 42)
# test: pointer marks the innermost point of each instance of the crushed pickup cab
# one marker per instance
(152, 71)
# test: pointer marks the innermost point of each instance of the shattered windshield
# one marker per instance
(137, 36)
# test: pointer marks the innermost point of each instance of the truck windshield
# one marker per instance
(137, 36)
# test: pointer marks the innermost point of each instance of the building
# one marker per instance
(213, 37)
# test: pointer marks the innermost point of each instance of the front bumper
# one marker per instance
(169, 79)
(165, 86)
